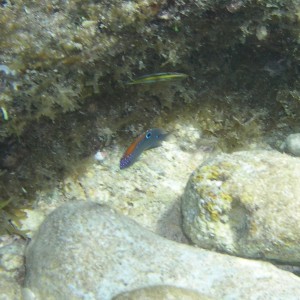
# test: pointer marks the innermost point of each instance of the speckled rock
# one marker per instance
(11, 270)
(161, 292)
(246, 204)
(9, 287)
(86, 250)
(292, 144)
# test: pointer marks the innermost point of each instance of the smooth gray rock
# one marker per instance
(161, 292)
(87, 251)
(292, 144)
(246, 204)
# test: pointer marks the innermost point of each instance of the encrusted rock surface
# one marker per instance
(11, 268)
(246, 204)
(87, 249)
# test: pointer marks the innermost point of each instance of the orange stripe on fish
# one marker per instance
(133, 146)
(149, 139)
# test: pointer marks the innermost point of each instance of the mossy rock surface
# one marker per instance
(246, 204)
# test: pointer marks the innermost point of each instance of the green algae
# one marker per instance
(9, 220)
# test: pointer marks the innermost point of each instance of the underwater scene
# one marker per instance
(149, 149)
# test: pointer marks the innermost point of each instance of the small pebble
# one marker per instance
(99, 156)
(292, 144)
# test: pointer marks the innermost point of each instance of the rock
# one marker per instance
(11, 270)
(86, 250)
(246, 204)
(161, 292)
(292, 144)
(9, 287)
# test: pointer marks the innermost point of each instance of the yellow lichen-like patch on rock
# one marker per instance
(246, 215)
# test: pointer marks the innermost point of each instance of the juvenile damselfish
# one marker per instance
(149, 139)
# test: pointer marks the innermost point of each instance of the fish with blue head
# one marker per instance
(150, 139)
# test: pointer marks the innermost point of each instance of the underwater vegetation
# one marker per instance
(9, 220)
(63, 66)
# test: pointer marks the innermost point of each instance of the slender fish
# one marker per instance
(149, 139)
(3, 113)
(157, 77)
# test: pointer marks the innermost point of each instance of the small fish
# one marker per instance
(3, 113)
(157, 77)
(149, 139)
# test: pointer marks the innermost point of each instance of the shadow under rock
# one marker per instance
(169, 225)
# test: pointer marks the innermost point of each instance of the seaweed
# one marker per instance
(9, 222)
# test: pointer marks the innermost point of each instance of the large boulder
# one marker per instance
(85, 250)
(246, 204)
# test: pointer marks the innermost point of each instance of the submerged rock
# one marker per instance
(85, 250)
(246, 204)
(161, 292)
(11, 269)
(292, 144)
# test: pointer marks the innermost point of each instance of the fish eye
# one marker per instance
(148, 135)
